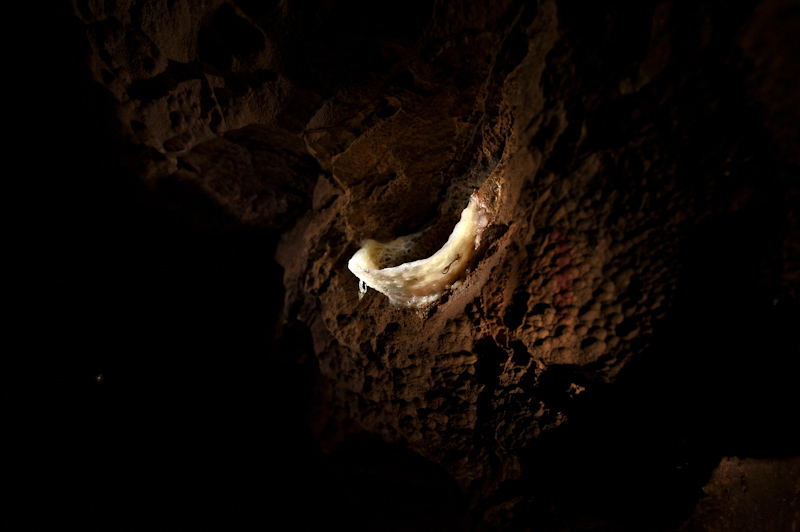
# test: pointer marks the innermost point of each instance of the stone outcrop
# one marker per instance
(630, 318)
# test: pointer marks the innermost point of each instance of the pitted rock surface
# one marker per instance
(646, 235)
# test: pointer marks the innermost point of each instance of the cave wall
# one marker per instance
(631, 320)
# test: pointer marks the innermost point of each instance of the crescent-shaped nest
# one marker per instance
(420, 283)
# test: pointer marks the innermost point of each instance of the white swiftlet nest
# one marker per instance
(420, 283)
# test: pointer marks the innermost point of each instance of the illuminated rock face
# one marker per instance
(266, 158)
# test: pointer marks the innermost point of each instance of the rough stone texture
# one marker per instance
(631, 319)
(749, 495)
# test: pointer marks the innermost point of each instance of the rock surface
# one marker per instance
(631, 319)
(749, 495)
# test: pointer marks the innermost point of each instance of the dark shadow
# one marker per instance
(168, 399)
(373, 486)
